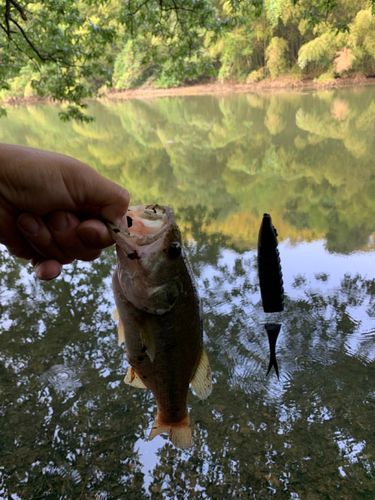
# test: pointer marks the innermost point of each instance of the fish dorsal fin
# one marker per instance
(120, 332)
(115, 315)
(131, 378)
(179, 432)
(148, 341)
(202, 382)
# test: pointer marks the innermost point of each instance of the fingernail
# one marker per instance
(58, 220)
(89, 235)
(41, 276)
(45, 269)
(124, 223)
(28, 223)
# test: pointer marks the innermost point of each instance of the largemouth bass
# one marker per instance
(160, 317)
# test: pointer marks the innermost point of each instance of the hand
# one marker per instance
(50, 205)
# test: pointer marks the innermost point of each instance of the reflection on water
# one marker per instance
(71, 429)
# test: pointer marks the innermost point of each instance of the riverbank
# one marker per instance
(216, 88)
(269, 85)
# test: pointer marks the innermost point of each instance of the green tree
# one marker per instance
(68, 45)
(68, 50)
(276, 55)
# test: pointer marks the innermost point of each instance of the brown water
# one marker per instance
(70, 428)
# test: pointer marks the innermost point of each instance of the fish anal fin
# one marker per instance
(133, 379)
(179, 432)
(202, 382)
(148, 340)
(115, 315)
(120, 332)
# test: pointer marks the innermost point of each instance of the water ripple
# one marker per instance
(62, 378)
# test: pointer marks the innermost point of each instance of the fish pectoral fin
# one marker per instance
(148, 341)
(179, 432)
(120, 329)
(120, 332)
(131, 378)
(202, 381)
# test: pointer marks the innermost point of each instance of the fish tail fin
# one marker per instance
(273, 363)
(179, 432)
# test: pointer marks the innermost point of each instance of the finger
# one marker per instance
(95, 234)
(12, 238)
(114, 208)
(95, 190)
(38, 235)
(46, 269)
(65, 229)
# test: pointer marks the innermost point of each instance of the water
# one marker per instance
(70, 428)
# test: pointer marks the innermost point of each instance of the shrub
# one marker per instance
(344, 60)
(362, 42)
(20, 86)
(327, 76)
(321, 50)
(277, 56)
(256, 76)
(236, 60)
(129, 70)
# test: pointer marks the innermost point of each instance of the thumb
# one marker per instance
(114, 202)
(110, 199)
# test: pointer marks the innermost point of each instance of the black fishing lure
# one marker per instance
(269, 268)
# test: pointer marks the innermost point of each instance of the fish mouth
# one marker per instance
(146, 226)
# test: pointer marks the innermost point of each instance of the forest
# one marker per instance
(283, 41)
(90, 47)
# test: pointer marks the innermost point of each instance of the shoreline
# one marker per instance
(216, 88)
(266, 86)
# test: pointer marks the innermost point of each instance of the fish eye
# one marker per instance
(174, 250)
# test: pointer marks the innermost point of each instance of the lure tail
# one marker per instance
(273, 330)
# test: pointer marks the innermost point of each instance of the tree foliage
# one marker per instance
(60, 43)
(277, 56)
(70, 51)
(66, 43)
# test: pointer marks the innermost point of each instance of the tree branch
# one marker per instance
(4, 28)
(30, 43)
(19, 8)
(138, 9)
(7, 15)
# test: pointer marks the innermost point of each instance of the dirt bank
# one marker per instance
(276, 85)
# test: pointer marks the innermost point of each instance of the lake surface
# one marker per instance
(71, 429)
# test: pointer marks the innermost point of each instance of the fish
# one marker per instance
(160, 317)
(269, 268)
(273, 330)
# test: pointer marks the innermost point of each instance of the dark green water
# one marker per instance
(70, 428)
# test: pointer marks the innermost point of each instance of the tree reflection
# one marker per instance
(306, 158)
(62, 444)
